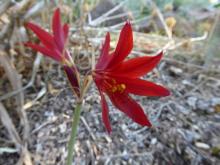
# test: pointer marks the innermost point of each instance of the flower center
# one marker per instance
(113, 86)
(108, 83)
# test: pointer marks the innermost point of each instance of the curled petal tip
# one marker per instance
(164, 92)
(161, 53)
(56, 14)
(109, 132)
(148, 124)
(167, 93)
(107, 38)
(108, 35)
(57, 10)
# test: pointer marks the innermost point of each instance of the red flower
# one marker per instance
(53, 46)
(117, 77)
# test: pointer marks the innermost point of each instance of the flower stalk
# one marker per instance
(72, 139)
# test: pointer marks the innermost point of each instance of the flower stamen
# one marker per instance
(117, 88)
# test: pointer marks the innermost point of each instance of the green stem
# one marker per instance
(72, 140)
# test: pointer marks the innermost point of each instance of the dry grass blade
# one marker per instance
(4, 6)
(102, 18)
(15, 81)
(34, 72)
(161, 17)
(7, 150)
(41, 93)
(25, 157)
(7, 122)
(35, 9)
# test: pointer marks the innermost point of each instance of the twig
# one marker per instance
(117, 16)
(43, 125)
(211, 33)
(36, 9)
(133, 22)
(41, 93)
(88, 128)
(7, 122)
(16, 83)
(113, 17)
(160, 16)
(8, 150)
(196, 39)
(5, 6)
(123, 155)
(103, 17)
(31, 82)
(113, 27)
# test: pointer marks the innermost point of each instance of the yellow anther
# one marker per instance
(114, 89)
(113, 81)
(123, 86)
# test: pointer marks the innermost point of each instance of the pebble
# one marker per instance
(192, 101)
(215, 101)
(63, 127)
(202, 145)
(176, 71)
(153, 141)
(183, 109)
(187, 82)
(192, 136)
(203, 104)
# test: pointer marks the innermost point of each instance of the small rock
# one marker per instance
(215, 101)
(176, 71)
(49, 114)
(203, 105)
(192, 101)
(153, 141)
(124, 127)
(182, 109)
(39, 147)
(192, 136)
(125, 155)
(187, 82)
(63, 128)
(202, 145)
(108, 139)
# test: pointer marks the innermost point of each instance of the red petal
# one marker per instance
(104, 57)
(127, 105)
(58, 30)
(139, 66)
(44, 36)
(45, 51)
(105, 113)
(142, 87)
(65, 31)
(124, 46)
